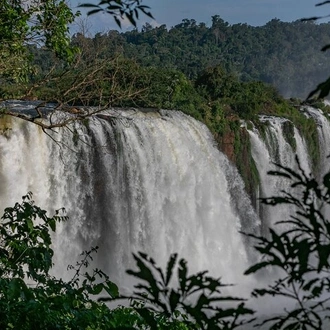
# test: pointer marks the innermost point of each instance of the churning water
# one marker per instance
(133, 181)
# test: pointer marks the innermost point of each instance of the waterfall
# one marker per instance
(151, 181)
(323, 128)
(274, 149)
(133, 181)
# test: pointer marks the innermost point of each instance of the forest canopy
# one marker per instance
(285, 55)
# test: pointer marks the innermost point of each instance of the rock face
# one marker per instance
(237, 147)
(227, 145)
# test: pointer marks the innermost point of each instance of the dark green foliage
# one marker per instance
(44, 22)
(170, 89)
(30, 298)
(215, 83)
(120, 9)
(301, 253)
(253, 98)
(246, 99)
(196, 302)
(25, 244)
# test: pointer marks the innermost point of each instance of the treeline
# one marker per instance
(285, 55)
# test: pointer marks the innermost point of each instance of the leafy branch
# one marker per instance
(197, 301)
(300, 252)
(120, 9)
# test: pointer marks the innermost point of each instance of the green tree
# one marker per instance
(216, 83)
(23, 23)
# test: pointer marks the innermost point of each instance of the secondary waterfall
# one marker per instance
(275, 149)
(133, 181)
(323, 127)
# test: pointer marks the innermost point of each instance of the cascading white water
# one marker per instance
(323, 128)
(275, 149)
(133, 181)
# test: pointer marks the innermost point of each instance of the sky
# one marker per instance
(252, 12)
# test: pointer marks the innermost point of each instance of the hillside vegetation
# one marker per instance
(286, 55)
